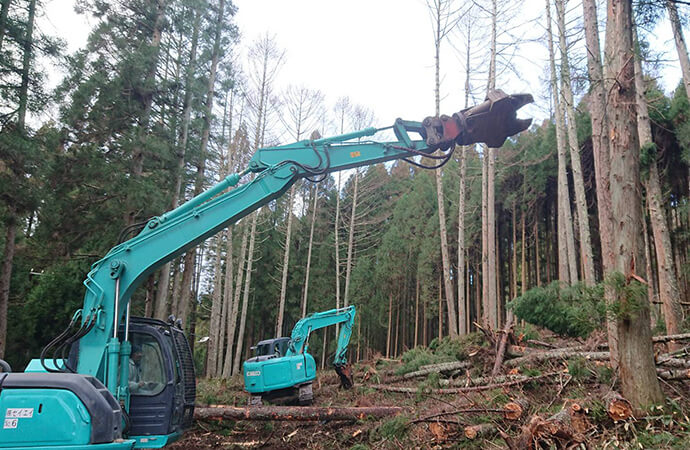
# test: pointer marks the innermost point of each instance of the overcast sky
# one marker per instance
(377, 52)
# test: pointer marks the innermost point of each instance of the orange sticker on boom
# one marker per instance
(355, 154)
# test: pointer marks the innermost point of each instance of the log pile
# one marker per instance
(510, 355)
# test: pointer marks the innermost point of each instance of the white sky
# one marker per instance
(377, 52)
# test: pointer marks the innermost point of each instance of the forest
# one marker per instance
(576, 232)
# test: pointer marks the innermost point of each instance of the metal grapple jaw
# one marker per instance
(345, 373)
(490, 122)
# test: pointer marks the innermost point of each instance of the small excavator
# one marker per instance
(115, 382)
(282, 369)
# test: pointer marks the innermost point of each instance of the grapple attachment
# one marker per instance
(490, 122)
(345, 374)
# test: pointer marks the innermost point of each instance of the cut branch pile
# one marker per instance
(670, 366)
(565, 429)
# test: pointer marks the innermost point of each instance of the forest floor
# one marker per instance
(564, 401)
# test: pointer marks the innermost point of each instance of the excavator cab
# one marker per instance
(270, 348)
(162, 383)
(81, 412)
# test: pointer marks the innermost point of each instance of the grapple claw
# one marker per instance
(345, 374)
(490, 122)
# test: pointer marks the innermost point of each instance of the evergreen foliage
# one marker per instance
(567, 310)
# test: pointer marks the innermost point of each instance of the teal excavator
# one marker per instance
(282, 369)
(111, 381)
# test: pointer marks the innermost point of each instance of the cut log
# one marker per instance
(676, 363)
(486, 387)
(617, 407)
(541, 343)
(673, 374)
(556, 354)
(479, 381)
(295, 413)
(604, 345)
(437, 368)
(671, 337)
(473, 432)
(516, 408)
(501, 351)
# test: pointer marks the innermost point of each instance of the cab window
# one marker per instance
(146, 367)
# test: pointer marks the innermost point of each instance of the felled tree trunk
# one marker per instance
(556, 354)
(437, 368)
(295, 413)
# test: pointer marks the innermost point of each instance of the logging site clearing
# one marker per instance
(361, 225)
(548, 392)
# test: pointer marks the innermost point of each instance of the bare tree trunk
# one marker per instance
(485, 245)
(232, 316)
(217, 298)
(6, 274)
(3, 19)
(176, 287)
(537, 263)
(336, 232)
(514, 275)
(440, 308)
(523, 256)
(214, 343)
(416, 316)
(463, 309)
(390, 324)
(649, 273)
(148, 90)
(682, 50)
(437, 10)
(323, 350)
(26, 65)
(669, 293)
(245, 299)
(680, 43)
(636, 356)
(397, 329)
(190, 257)
(227, 301)
(578, 182)
(161, 308)
(286, 264)
(350, 241)
(489, 276)
(566, 244)
(311, 242)
(602, 164)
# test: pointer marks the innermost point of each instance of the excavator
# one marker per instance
(116, 382)
(282, 369)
